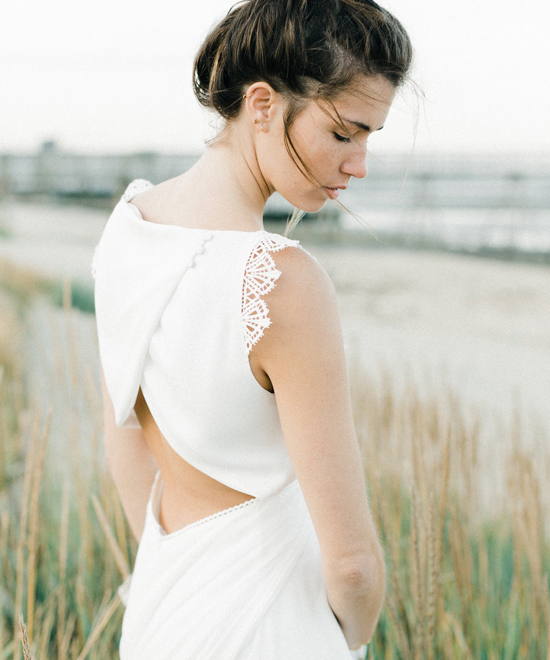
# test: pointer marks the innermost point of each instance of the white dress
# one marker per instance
(178, 311)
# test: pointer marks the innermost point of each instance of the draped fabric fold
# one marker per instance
(137, 271)
(220, 576)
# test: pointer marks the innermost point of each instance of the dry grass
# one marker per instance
(461, 584)
(20, 283)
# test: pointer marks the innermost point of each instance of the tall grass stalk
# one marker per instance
(33, 524)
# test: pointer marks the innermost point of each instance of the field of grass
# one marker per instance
(460, 584)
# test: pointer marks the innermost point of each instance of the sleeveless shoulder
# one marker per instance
(259, 278)
(304, 293)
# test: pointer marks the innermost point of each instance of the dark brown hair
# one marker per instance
(305, 49)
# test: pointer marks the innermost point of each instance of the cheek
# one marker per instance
(323, 153)
(315, 150)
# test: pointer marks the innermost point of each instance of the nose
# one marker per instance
(356, 166)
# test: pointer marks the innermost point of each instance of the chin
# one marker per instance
(308, 205)
(313, 207)
(308, 199)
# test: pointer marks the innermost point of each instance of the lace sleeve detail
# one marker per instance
(259, 278)
(135, 188)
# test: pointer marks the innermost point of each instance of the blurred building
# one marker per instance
(394, 181)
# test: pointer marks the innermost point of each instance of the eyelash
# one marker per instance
(341, 138)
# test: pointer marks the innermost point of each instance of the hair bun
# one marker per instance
(292, 43)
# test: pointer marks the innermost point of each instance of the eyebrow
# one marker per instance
(360, 125)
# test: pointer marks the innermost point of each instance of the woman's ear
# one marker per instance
(261, 102)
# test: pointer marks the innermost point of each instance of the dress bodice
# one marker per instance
(178, 311)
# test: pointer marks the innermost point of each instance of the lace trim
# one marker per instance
(135, 188)
(202, 521)
(259, 279)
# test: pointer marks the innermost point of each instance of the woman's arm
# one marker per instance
(303, 354)
(131, 464)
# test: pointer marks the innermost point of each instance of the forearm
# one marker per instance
(356, 599)
(133, 469)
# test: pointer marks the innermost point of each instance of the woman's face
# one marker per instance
(332, 156)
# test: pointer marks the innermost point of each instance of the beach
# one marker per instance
(479, 323)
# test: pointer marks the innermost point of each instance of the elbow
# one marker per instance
(366, 575)
(356, 591)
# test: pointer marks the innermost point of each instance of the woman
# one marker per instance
(228, 425)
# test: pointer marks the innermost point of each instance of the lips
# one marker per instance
(333, 192)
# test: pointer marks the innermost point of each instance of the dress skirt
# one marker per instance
(242, 584)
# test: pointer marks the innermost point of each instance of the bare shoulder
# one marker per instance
(303, 303)
(302, 269)
(154, 200)
(302, 349)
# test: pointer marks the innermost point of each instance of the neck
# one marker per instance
(229, 169)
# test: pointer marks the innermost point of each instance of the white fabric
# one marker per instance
(245, 584)
(172, 307)
(178, 311)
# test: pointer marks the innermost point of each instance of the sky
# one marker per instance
(114, 76)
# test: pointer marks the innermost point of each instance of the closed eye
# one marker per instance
(341, 137)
